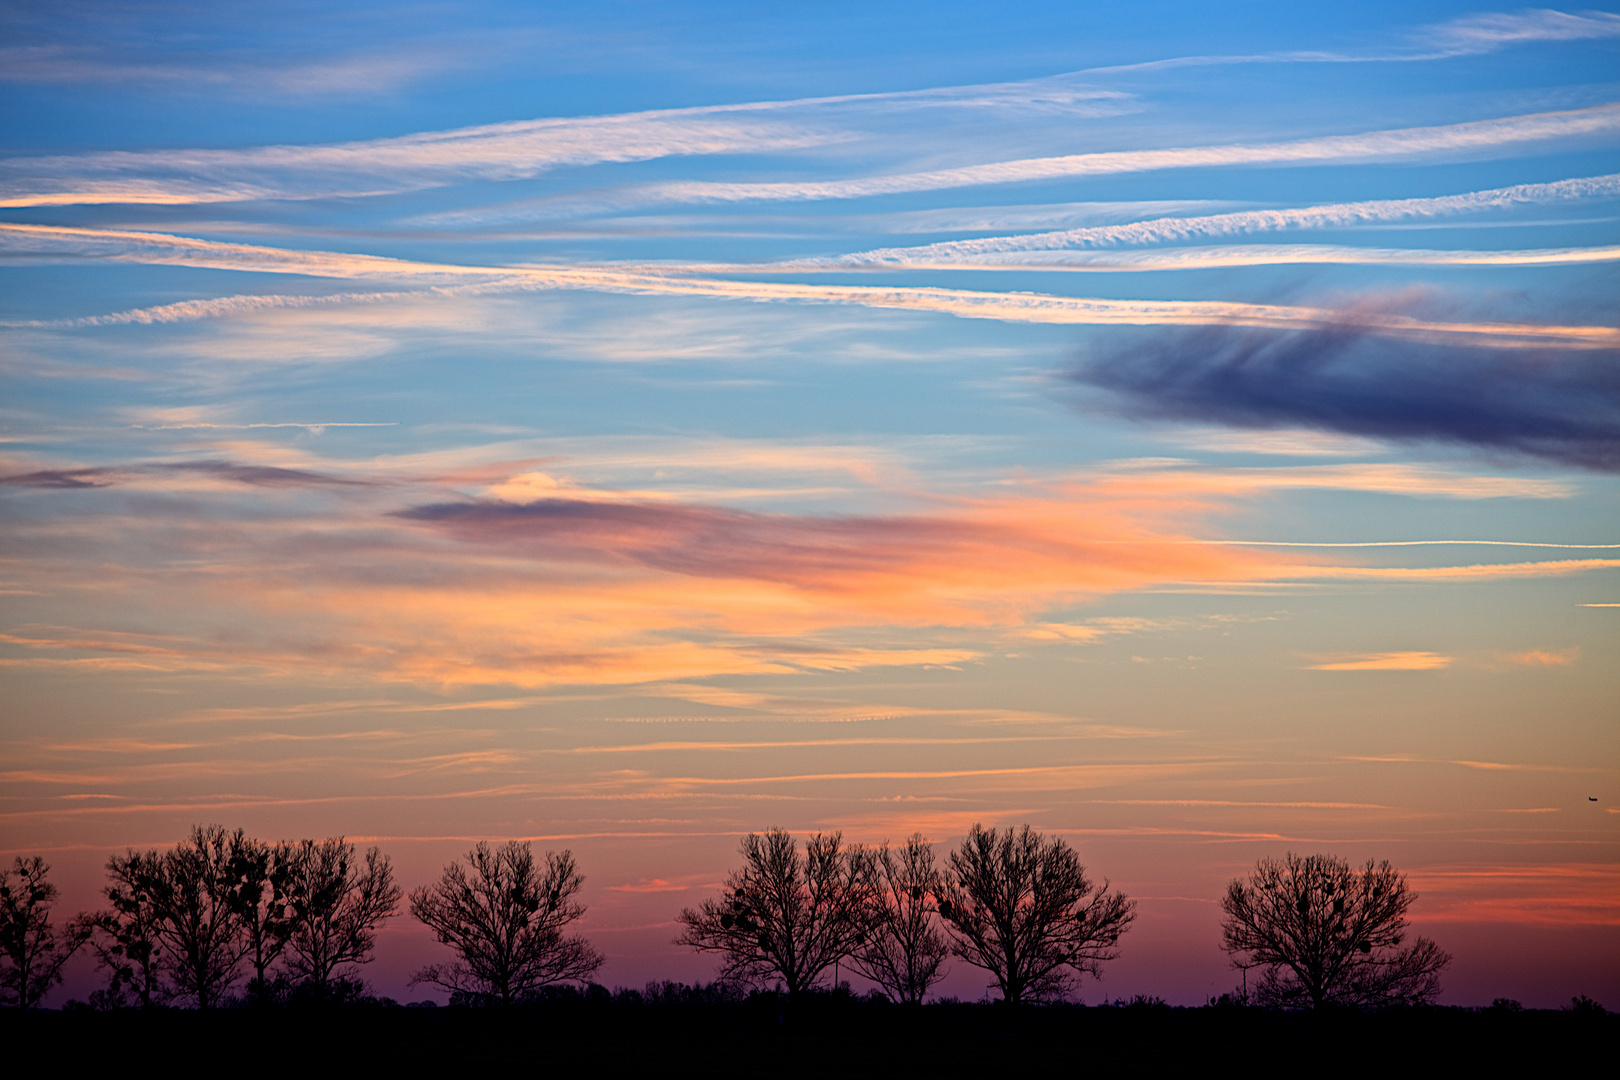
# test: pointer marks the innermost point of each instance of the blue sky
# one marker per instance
(1191, 429)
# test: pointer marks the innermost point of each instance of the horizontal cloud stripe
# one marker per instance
(1397, 543)
(1452, 573)
(1204, 258)
(1176, 229)
(1470, 136)
(160, 248)
(523, 149)
(492, 152)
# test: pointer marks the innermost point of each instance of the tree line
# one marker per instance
(298, 920)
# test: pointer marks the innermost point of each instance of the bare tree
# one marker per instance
(262, 876)
(124, 936)
(904, 951)
(336, 906)
(506, 922)
(32, 951)
(1327, 935)
(199, 925)
(1019, 905)
(784, 919)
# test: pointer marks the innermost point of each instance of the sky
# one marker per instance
(1190, 429)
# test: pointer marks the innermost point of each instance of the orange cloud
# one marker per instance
(1392, 661)
(650, 885)
(1571, 894)
(1543, 657)
(456, 572)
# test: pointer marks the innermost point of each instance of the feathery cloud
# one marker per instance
(1485, 33)
(1543, 657)
(164, 249)
(1449, 141)
(1210, 258)
(566, 583)
(1394, 661)
(1470, 35)
(508, 151)
(1180, 229)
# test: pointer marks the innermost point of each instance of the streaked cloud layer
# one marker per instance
(1196, 437)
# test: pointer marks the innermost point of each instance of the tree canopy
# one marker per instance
(336, 904)
(504, 915)
(1324, 934)
(904, 951)
(1019, 905)
(785, 918)
(32, 951)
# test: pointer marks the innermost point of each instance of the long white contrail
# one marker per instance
(1395, 543)
(509, 151)
(1180, 229)
(1205, 258)
(161, 248)
(1471, 136)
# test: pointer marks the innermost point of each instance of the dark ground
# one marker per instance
(827, 1036)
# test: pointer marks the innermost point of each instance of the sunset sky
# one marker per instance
(1191, 429)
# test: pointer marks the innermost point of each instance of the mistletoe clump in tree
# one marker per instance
(32, 951)
(504, 914)
(1324, 934)
(1019, 905)
(904, 952)
(784, 919)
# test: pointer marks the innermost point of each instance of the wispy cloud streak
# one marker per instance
(1180, 229)
(1212, 258)
(509, 151)
(1485, 33)
(1471, 35)
(254, 475)
(597, 586)
(163, 249)
(1449, 140)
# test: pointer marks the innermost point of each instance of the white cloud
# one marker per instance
(1204, 258)
(1178, 229)
(1441, 141)
(1487, 33)
(159, 248)
(491, 152)
(1470, 35)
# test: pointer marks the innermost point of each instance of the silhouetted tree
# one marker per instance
(904, 950)
(1019, 905)
(1327, 935)
(124, 936)
(506, 921)
(262, 874)
(784, 919)
(32, 951)
(199, 927)
(336, 905)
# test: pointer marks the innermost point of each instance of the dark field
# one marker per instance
(829, 1036)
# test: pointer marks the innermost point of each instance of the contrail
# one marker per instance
(1176, 229)
(164, 249)
(1389, 543)
(1366, 146)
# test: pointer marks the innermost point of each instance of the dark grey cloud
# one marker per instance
(701, 541)
(61, 479)
(1558, 404)
(252, 475)
(258, 475)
